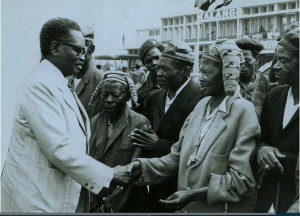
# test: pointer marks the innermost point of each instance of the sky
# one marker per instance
(21, 21)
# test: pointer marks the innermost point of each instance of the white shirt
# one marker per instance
(205, 127)
(76, 82)
(168, 101)
(290, 108)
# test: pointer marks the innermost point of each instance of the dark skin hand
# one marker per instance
(120, 175)
(146, 138)
(114, 201)
(267, 158)
(180, 199)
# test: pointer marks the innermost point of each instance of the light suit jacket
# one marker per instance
(47, 160)
(226, 151)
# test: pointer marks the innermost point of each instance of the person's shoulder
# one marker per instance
(97, 117)
(137, 116)
(277, 91)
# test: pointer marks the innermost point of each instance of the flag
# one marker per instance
(203, 4)
(226, 2)
(214, 4)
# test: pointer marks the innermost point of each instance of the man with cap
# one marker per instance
(254, 86)
(216, 141)
(275, 75)
(167, 109)
(111, 145)
(90, 76)
(149, 54)
(279, 143)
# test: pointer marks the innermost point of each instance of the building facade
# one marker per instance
(260, 19)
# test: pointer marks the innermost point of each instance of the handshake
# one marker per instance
(126, 174)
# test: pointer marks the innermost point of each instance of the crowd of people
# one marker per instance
(228, 142)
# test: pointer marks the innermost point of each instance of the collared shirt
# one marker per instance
(290, 108)
(205, 127)
(169, 101)
(110, 127)
(76, 82)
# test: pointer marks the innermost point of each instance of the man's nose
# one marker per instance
(277, 65)
(109, 99)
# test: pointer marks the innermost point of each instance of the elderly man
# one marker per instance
(89, 77)
(277, 154)
(254, 86)
(216, 141)
(149, 54)
(167, 109)
(47, 160)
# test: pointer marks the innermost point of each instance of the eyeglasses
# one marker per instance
(79, 50)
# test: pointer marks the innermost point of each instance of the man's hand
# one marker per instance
(120, 175)
(143, 139)
(178, 200)
(267, 158)
(134, 170)
(115, 201)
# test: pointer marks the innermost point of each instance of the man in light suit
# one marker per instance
(47, 160)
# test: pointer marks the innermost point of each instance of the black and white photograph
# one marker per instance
(150, 107)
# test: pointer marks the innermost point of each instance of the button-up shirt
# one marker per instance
(169, 101)
(205, 127)
(290, 108)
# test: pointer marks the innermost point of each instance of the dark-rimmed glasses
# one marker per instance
(78, 49)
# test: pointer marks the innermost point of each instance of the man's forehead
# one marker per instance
(282, 52)
(77, 37)
(152, 52)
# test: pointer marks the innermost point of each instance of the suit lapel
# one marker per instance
(85, 79)
(159, 112)
(118, 128)
(71, 101)
(294, 118)
(280, 111)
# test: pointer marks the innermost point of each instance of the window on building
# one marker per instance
(231, 31)
(254, 10)
(176, 21)
(246, 27)
(222, 30)
(188, 32)
(282, 23)
(170, 34)
(181, 20)
(270, 8)
(246, 11)
(263, 9)
(292, 5)
(188, 19)
(201, 31)
(157, 32)
(206, 30)
(282, 6)
(171, 21)
(270, 24)
(194, 31)
(292, 19)
(165, 22)
(165, 34)
(194, 18)
(181, 33)
(255, 26)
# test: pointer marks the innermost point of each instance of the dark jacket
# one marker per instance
(143, 92)
(118, 150)
(287, 142)
(167, 127)
(87, 86)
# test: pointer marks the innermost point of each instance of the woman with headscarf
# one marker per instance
(110, 142)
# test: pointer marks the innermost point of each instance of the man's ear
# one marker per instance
(54, 48)
(186, 72)
(256, 60)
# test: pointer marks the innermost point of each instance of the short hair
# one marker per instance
(55, 29)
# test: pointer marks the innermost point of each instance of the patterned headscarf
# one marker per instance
(231, 57)
(120, 77)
